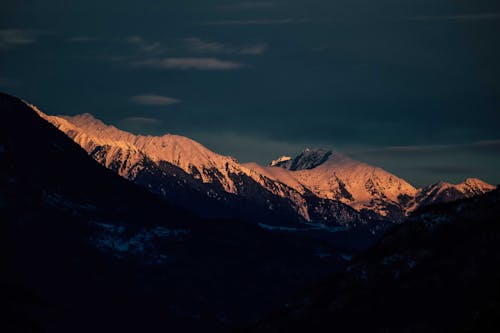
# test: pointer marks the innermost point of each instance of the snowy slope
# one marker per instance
(187, 154)
(318, 185)
(278, 174)
(150, 160)
(180, 151)
(359, 184)
(446, 192)
(82, 245)
(332, 175)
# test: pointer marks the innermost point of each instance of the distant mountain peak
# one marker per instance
(314, 174)
(306, 160)
(476, 182)
(445, 192)
(278, 162)
(471, 183)
(474, 186)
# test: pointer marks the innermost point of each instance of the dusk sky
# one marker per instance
(412, 86)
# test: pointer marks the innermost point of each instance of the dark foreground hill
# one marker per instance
(83, 250)
(437, 272)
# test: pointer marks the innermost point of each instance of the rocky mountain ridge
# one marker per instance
(317, 186)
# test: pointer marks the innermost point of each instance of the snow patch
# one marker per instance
(116, 240)
(346, 257)
(280, 160)
(312, 227)
(280, 228)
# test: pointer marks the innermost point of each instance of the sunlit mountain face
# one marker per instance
(300, 186)
(249, 166)
(86, 250)
(193, 212)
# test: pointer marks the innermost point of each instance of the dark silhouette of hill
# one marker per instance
(437, 272)
(85, 250)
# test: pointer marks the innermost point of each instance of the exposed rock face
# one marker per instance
(291, 189)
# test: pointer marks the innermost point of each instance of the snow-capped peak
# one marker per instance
(112, 146)
(445, 192)
(307, 159)
(475, 185)
(332, 175)
(280, 161)
(323, 173)
(469, 185)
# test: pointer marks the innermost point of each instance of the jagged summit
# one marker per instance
(139, 262)
(335, 176)
(446, 192)
(171, 163)
(320, 173)
(187, 154)
(471, 186)
(477, 184)
(307, 159)
(280, 161)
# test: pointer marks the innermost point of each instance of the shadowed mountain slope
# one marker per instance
(86, 250)
(437, 272)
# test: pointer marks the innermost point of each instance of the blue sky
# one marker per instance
(409, 85)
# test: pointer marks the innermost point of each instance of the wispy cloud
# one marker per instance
(145, 46)
(199, 45)
(140, 120)
(202, 64)
(459, 17)
(15, 37)
(82, 39)
(425, 164)
(254, 49)
(134, 39)
(153, 100)
(247, 5)
(140, 125)
(259, 22)
(186, 54)
(492, 146)
(202, 46)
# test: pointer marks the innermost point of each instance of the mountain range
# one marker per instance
(103, 230)
(84, 249)
(318, 186)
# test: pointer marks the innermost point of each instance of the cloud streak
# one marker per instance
(247, 5)
(189, 63)
(153, 100)
(140, 121)
(259, 22)
(460, 17)
(202, 46)
(144, 46)
(15, 37)
(254, 49)
(424, 164)
(485, 145)
(139, 125)
(199, 45)
(82, 39)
